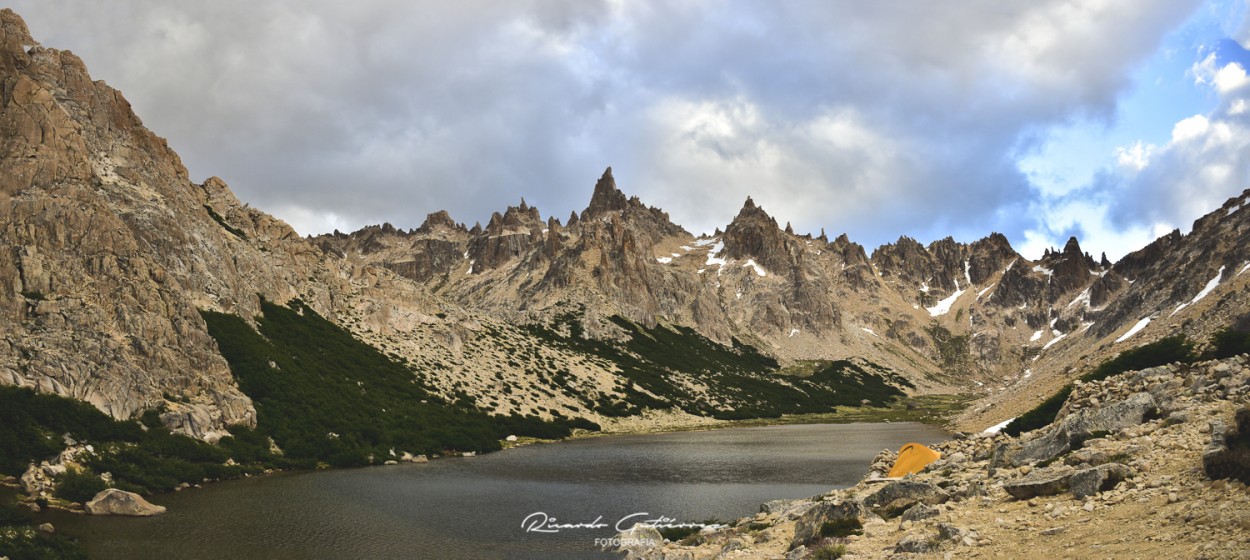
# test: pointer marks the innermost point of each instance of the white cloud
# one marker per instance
(1155, 189)
(1135, 157)
(875, 118)
(1190, 128)
(1224, 78)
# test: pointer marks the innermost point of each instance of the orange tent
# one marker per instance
(912, 458)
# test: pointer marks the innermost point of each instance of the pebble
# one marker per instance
(1089, 506)
(1054, 530)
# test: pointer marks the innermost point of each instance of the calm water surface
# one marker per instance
(474, 507)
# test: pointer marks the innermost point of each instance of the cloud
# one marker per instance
(877, 119)
(1155, 189)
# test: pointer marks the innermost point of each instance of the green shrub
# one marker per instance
(1229, 342)
(828, 552)
(79, 486)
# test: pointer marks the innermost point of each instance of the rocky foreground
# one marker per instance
(1121, 473)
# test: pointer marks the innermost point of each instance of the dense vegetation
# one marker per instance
(1168, 350)
(142, 456)
(323, 395)
(1233, 340)
(663, 363)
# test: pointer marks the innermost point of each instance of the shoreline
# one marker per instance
(935, 410)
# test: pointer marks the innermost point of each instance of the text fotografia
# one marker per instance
(540, 522)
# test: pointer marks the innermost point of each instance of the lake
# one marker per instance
(474, 507)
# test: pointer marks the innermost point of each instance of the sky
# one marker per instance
(1112, 120)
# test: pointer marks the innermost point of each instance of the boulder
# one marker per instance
(949, 532)
(1134, 410)
(1041, 482)
(1075, 428)
(896, 497)
(1228, 453)
(119, 502)
(918, 512)
(1088, 482)
(810, 524)
(917, 543)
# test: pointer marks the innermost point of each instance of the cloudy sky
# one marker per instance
(1112, 120)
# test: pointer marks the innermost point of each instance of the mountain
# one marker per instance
(949, 316)
(118, 257)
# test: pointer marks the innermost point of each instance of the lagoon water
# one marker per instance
(475, 507)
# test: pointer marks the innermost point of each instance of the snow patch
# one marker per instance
(868, 330)
(1027, 374)
(1036, 336)
(986, 289)
(1205, 290)
(712, 259)
(924, 287)
(759, 270)
(1244, 268)
(1054, 340)
(793, 332)
(664, 260)
(705, 242)
(943, 307)
(1084, 297)
(1136, 329)
(1043, 270)
(968, 271)
(998, 427)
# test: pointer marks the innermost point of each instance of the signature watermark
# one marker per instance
(542, 522)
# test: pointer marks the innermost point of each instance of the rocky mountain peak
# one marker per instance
(1072, 247)
(440, 220)
(607, 198)
(754, 234)
(14, 36)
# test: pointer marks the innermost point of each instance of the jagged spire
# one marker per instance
(607, 197)
(1072, 247)
(789, 229)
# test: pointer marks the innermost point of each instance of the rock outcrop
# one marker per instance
(119, 502)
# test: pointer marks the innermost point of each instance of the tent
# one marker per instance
(912, 458)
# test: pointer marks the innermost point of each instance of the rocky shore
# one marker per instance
(1121, 473)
